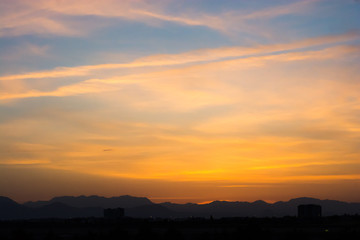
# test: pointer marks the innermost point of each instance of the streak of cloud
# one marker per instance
(48, 17)
(116, 83)
(203, 55)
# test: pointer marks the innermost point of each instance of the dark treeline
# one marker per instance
(336, 227)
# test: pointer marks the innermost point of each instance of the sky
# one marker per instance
(180, 100)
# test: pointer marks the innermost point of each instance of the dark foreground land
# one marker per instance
(337, 227)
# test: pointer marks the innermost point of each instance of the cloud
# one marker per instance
(292, 8)
(25, 162)
(196, 56)
(299, 165)
(163, 86)
(145, 11)
(25, 50)
(21, 17)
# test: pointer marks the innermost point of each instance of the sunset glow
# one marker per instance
(191, 101)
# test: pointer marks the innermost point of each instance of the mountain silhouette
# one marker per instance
(261, 209)
(125, 201)
(60, 210)
(140, 207)
(10, 209)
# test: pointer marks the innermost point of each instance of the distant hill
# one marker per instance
(60, 210)
(95, 201)
(10, 209)
(262, 209)
(140, 207)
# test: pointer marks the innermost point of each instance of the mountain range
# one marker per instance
(141, 207)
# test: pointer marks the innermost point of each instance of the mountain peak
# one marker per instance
(260, 202)
(7, 201)
(304, 200)
(125, 201)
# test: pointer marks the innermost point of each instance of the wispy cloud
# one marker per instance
(49, 17)
(148, 80)
(25, 50)
(299, 7)
(297, 165)
(196, 56)
(247, 186)
(25, 162)
(24, 18)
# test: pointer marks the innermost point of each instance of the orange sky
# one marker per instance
(180, 105)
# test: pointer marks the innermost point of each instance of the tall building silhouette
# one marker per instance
(309, 211)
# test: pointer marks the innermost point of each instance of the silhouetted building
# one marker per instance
(113, 213)
(309, 211)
